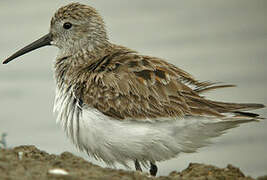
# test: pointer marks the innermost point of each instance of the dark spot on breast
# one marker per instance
(160, 74)
(145, 74)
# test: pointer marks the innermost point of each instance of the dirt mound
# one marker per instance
(28, 162)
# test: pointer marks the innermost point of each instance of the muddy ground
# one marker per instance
(30, 163)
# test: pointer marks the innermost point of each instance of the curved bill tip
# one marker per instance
(43, 41)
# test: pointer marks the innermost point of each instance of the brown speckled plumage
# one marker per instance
(118, 105)
(123, 84)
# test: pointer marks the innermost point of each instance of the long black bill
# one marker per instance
(43, 41)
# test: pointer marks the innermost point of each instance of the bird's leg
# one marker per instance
(137, 166)
(153, 169)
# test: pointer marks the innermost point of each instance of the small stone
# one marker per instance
(20, 154)
(58, 172)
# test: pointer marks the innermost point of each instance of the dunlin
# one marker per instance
(120, 106)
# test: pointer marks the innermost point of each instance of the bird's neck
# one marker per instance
(70, 64)
(85, 49)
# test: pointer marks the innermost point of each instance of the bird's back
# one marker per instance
(125, 85)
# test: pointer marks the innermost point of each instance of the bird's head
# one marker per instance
(74, 27)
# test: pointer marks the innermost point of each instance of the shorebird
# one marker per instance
(120, 106)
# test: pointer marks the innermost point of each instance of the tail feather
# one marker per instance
(248, 114)
(212, 87)
(224, 107)
(237, 111)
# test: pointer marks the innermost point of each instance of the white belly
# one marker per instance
(120, 141)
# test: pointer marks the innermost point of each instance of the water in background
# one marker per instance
(213, 40)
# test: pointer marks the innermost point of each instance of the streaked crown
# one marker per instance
(77, 26)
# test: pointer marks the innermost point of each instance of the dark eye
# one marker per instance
(67, 25)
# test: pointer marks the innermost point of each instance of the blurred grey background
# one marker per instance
(223, 41)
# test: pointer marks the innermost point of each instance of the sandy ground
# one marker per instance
(28, 162)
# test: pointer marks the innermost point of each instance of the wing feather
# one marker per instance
(125, 85)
